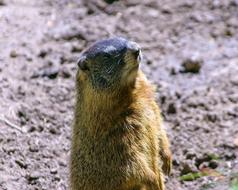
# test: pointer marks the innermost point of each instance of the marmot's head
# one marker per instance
(110, 63)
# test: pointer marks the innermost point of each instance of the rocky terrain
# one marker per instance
(190, 53)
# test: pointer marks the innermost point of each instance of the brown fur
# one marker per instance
(118, 142)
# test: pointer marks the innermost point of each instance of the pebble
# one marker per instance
(230, 156)
(212, 117)
(21, 163)
(74, 34)
(188, 167)
(110, 1)
(13, 54)
(191, 65)
(65, 73)
(51, 73)
(213, 164)
(171, 109)
(77, 48)
(42, 53)
(2, 3)
(33, 176)
(53, 171)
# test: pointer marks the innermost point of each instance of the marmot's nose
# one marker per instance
(134, 48)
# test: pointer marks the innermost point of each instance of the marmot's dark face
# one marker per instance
(111, 62)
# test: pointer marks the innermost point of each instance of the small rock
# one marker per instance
(21, 90)
(149, 62)
(28, 58)
(173, 71)
(178, 95)
(62, 60)
(166, 10)
(234, 3)
(203, 165)
(13, 54)
(9, 150)
(62, 163)
(65, 73)
(199, 161)
(110, 1)
(191, 65)
(21, 163)
(175, 161)
(228, 32)
(54, 131)
(40, 128)
(232, 22)
(74, 34)
(212, 117)
(31, 129)
(205, 158)
(57, 178)
(187, 4)
(153, 13)
(53, 171)
(162, 99)
(230, 156)
(50, 73)
(196, 17)
(2, 3)
(171, 109)
(22, 114)
(42, 53)
(77, 48)
(33, 148)
(228, 165)
(90, 11)
(213, 164)
(190, 155)
(33, 177)
(188, 168)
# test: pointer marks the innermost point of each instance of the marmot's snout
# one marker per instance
(134, 48)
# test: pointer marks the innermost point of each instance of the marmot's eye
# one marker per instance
(82, 63)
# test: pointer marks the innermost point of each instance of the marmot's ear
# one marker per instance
(82, 63)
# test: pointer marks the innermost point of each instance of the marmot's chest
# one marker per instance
(116, 148)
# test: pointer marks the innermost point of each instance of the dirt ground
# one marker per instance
(190, 52)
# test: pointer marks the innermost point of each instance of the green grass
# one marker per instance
(191, 176)
(234, 187)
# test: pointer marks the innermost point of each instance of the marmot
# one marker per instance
(118, 142)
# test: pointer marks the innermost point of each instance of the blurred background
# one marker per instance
(190, 51)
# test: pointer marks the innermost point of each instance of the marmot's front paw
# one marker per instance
(166, 157)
